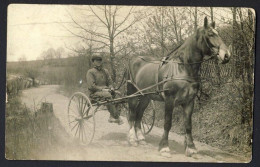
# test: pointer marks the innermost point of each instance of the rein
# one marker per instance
(172, 77)
(178, 62)
(122, 81)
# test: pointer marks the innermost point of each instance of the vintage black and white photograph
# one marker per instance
(129, 83)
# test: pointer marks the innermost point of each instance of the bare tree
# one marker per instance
(247, 31)
(195, 19)
(22, 58)
(60, 52)
(109, 25)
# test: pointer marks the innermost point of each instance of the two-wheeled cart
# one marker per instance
(81, 114)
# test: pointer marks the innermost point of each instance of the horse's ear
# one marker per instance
(213, 24)
(206, 22)
(230, 48)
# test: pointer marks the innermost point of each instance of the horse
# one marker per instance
(177, 78)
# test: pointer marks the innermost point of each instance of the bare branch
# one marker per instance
(136, 20)
(85, 38)
(97, 16)
(88, 31)
(108, 24)
(114, 22)
(129, 13)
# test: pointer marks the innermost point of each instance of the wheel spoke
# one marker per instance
(143, 127)
(81, 117)
(80, 130)
(77, 129)
(83, 133)
(85, 104)
(87, 111)
(81, 106)
(148, 120)
(146, 124)
(72, 121)
(74, 126)
(73, 109)
(78, 104)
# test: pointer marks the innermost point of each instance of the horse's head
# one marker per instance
(210, 42)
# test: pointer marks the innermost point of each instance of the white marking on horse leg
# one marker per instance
(165, 152)
(140, 137)
(139, 134)
(132, 137)
(190, 151)
(163, 95)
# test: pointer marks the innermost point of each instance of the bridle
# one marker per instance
(213, 53)
(188, 78)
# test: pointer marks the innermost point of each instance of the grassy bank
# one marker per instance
(31, 134)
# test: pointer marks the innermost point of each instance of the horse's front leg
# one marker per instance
(188, 141)
(164, 145)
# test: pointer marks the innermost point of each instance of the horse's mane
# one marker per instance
(178, 46)
(179, 53)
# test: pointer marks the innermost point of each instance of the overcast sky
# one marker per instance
(32, 29)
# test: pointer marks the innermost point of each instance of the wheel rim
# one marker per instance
(81, 117)
(148, 118)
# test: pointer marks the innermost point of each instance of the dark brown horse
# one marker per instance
(178, 78)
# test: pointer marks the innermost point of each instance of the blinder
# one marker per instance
(211, 46)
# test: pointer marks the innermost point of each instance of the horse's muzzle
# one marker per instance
(226, 59)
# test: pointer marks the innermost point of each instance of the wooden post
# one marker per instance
(47, 113)
(46, 107)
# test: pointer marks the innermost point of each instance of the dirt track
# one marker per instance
(110, 141)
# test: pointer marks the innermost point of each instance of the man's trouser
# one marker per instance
(104, 95)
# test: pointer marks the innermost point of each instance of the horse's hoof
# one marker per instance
(133, 143)
(142, 142)
(165, 152)
(190, 151)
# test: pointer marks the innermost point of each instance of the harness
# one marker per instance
(170, 74)
(172, 69)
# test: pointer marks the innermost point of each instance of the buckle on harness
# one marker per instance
(164, 60)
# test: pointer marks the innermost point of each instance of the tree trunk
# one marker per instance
(234, 62)
(216, 62)
(112, 58)
(162, 31)
(195, 20)
(175, 25)
(211, 14)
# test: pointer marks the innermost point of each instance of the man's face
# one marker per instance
(97, 62)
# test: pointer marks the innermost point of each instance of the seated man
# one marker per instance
(100, 86)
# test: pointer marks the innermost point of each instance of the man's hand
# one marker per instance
(112, 89)
(106, 90)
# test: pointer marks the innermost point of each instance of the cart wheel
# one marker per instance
(148, 118)
(81, 117)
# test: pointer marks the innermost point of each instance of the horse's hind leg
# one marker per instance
(132, 103)
(132, 139)
(164, 145)
(188, 141)
(144, 101)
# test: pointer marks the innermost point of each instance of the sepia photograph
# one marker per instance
(129, 83)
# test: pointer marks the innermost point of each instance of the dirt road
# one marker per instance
(110, 141)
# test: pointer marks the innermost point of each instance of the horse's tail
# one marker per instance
(130, 80)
